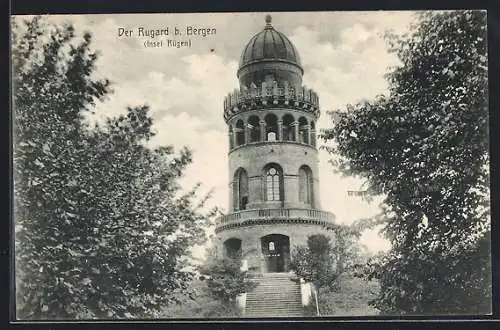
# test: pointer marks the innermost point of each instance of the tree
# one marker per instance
(425, 147)
(346, 251)
(315, 262)
(102, 227)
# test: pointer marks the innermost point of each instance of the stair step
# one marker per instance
(274, 315)
(273, 301)
(277, 312)
(287, 286)
(273, 306)
(275, 295)
(270, 293)
(274, 289)
(275, 286)
(281, 311)
(272, 309)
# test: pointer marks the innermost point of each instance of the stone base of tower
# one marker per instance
(267, 248)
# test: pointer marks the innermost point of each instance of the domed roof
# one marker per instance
(269, 44)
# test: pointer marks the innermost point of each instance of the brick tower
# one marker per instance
(273, 160)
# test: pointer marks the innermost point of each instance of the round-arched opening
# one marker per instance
(276, 252)
(313, 134)
(288, 128)
(240, 189)
(271, 127)
(303, 130)
(240, 133)
(231, 138)
(306, 186)
(254, 127)
(232, 247)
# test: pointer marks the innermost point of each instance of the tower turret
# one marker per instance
(273, 158)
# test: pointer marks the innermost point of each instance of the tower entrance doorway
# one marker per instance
(276, 251)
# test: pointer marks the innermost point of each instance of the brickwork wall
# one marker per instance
(290, 156)
(251, 240)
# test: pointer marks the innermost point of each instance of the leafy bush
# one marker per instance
(315, 262)
(200, 304)
(226, 280)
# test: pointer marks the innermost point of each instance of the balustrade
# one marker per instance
(273, 92)
(291, 213)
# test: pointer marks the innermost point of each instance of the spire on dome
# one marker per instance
(268, 21)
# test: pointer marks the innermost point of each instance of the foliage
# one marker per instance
(201, 304)
(425, 147)
(226, 280)
(315, 262)
(352, 299)
(346, 250)
(102, 227)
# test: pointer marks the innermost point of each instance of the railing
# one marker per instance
(276, 213)
(306, 98)
(315, 293)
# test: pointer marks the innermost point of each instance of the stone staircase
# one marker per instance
(275, 296)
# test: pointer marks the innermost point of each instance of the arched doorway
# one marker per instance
(276, 251)
(232, 247)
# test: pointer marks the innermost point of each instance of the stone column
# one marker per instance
(235, 138)
(296, 127)
(313, 138)
(280, 130)
(262, 124)
(247, 133)
(308, 134)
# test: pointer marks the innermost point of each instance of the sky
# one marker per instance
(343, 54)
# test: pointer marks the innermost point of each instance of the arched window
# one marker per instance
(273, 183)
(288, 128)
(231, 137)
(271, 246)
(243, 187)
(254, 127)
(305, 185)
(313, 134)
(240, 133)
(240, 190)
(271, 127)
(303, 131)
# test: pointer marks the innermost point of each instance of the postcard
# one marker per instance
(252, 165)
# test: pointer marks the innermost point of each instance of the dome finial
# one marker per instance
(268, 20)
